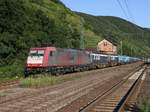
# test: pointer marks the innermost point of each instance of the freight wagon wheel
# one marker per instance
(57, 74)
(46, 74)
(53, 73)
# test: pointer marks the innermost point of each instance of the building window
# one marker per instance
(51, 53)
(105, 43)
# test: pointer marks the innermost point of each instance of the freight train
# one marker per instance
(58, 61)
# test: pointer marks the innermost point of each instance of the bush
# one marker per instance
(11, 71)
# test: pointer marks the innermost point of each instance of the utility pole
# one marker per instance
(81, 35)
(131, 51)
(121, 47)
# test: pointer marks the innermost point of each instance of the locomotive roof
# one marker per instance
(42, 48)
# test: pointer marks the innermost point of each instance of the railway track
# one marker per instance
(43, 95)
(8, 84)
(115, 99)
(53, 99)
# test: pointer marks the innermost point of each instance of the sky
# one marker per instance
(138, 11)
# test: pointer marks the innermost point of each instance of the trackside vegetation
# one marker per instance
(143, 100)
(144, 106)
(46, 81)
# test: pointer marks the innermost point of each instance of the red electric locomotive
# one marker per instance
(56, 60)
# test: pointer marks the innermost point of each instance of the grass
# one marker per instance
(148, 81)
(144, 106)
(2, 80)
(144, 102)
(3, 94)
(46, 81)
(38, 82)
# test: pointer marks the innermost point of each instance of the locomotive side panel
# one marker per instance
(52, 58)
(114, 60)
(67, 57)
(83, 58)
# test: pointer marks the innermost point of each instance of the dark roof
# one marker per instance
(114, 42)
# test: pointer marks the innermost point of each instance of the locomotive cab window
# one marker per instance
(40, 53)
(51, 53)
(35, 53)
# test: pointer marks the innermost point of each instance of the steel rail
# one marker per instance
(110, 91)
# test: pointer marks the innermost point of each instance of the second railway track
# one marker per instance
(8, 84)
(115, 98)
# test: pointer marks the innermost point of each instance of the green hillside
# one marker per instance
(135, 39)
(34, 23)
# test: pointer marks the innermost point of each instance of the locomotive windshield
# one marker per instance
(36, 53)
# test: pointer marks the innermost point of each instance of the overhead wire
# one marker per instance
(126, 14)
(123, 10)
(130, 15)
(129, 12)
